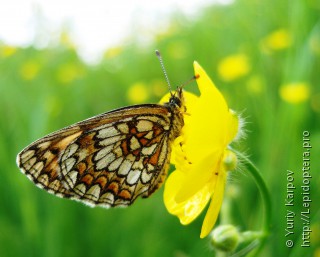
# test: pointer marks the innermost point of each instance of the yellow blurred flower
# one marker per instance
(295, 93)
(255, 85)
(138, 93)
(315, 238)
(233, 67)
(65, 40)
(112, 52)
(200, 155)
(29, 70)
(68, 72)
(316, 252)
(158, 87)
(277, 40)
(7, 50)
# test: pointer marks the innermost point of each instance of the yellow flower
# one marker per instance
(138, 93)
(255, 85)
(158, 87)
(112, 52)
(68, 72)
(201, 156)
(65, 40)
(30, 70)
(277, 40)
(233, 67)
(295, 93)
(7, 50)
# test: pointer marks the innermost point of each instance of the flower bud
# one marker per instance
(230, 160)
(225, 238)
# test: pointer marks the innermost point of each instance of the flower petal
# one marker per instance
(173, 183)
(198, 176)
(188, 210)
(194, 206)
(215, 205)
(207, 88)
(207, 127)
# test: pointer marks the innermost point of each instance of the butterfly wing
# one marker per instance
(107, 160)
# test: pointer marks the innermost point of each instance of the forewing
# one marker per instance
(107, 160)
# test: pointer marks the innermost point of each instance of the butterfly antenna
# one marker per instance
(189, 81)
(164, 70)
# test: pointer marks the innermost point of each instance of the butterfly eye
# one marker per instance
(175, 101)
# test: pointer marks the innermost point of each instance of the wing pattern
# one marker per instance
(108, 160)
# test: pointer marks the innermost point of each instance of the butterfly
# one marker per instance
(110, 159)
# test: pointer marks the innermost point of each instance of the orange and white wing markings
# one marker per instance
(110, 159)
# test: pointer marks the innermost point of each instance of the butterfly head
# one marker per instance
(176, 101)
(176, 98)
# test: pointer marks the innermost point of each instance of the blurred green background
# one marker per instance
(263, 56)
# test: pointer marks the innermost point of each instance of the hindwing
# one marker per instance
(107, 160)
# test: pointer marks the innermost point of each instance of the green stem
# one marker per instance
(264, 195)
